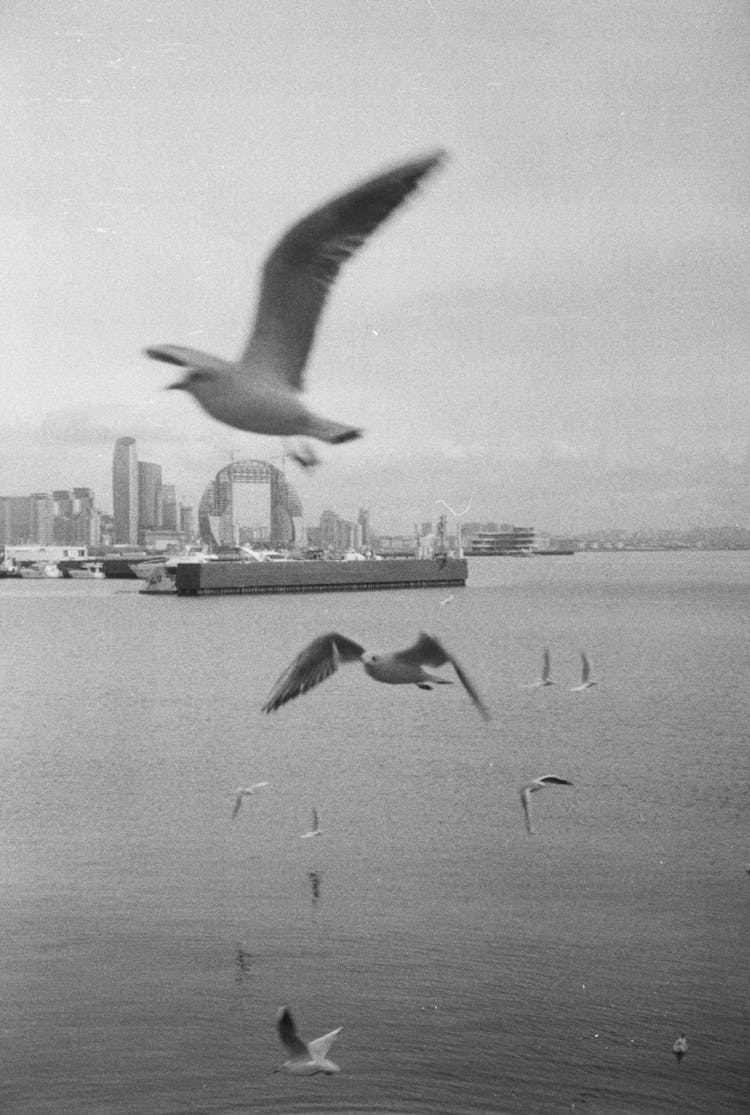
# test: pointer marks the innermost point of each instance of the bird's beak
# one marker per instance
(179, 386)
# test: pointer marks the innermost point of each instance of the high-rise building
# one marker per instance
(149, 498)
(363, 518)
(125, 491)
(42, 518)
(169, 507)
(336, 533)
(187, 522)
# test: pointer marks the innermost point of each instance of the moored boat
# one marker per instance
(88, 570)
(41, 569)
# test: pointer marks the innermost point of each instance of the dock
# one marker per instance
(214, 578)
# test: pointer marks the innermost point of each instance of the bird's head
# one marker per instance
(368, 657)
(196, 381)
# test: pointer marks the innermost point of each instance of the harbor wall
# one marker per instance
(217, 577)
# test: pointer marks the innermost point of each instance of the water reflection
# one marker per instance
(243, 960)
(315, 880)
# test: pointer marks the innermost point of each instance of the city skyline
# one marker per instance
(80, 517)
(556, 326)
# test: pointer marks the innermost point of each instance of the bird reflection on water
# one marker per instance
(315, 881)
(243, 960)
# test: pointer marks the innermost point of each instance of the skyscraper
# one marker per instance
(169, 507)
(125, 491)
(149, 498)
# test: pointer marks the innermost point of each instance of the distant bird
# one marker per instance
(545, 679)
(447, 600)
(261, 391)
(403, 667)
(531, 787)
(680, 1047)
(315, 830)
(586, 682)
(242, 792)
(305, 1058)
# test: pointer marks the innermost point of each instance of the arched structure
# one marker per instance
(228, 505)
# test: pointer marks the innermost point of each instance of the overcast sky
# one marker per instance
(555, 327)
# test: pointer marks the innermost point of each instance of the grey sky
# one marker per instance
(556, 326)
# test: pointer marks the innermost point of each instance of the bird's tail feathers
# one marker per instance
(335, 433)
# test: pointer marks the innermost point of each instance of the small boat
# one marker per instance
(161, 580)
(41, 569)
(89, 570)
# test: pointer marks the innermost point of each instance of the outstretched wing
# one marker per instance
(311, 666)
(427, 651)
(553, 780)
(546, 666)
(585, 668)
(288, 1034)
(188, 358)
(319, 1047)
(304, 264)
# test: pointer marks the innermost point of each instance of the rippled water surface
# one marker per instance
(149, 939)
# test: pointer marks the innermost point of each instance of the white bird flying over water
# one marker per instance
(402, 667)
(315, 830)
(680, 1047)
(305, 1058)
(262, 390)
(531, 787)
(242, 792)
(586, 682)
(545, 679)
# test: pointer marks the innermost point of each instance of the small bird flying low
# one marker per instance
(402, 667)
(262, 391)
(680, 1047)
(305, 1058)
(242, 792)
(586, 681)
(531, 787)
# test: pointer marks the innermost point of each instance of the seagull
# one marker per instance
(305, 1058)
(531, 787)
(315, 830)
(586, 683)
(262, 391)
(402, 667)
(242, 792)
(680, 1047)
(545, 679)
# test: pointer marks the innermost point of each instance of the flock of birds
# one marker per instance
(261, 392)
(318, 661)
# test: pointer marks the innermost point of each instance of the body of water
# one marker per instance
(150, 939)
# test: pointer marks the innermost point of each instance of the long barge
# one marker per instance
(213, 578)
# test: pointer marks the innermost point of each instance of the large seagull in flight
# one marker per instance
(401, 667)
(262, 390)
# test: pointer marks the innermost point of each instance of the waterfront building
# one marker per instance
(249, 502)
(336, 533)
(187, 522)
(363, 519)
(149, 497)
(15, 520)
(396, 545)
(125, 492)
(509, 540)
(42, 518)
(169, 516)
